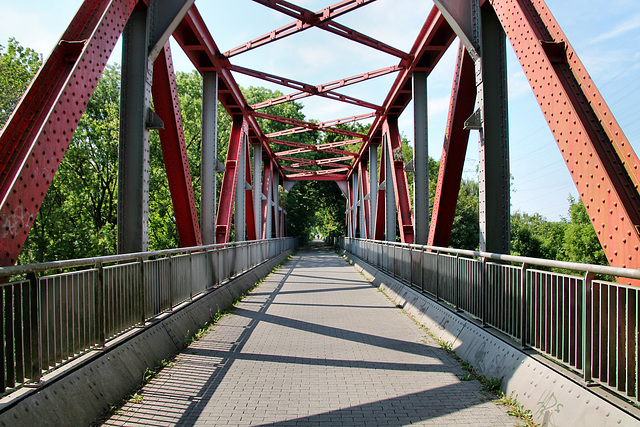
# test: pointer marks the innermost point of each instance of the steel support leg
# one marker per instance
(267, 208)
(257, 187)
(209, 155)
(390, 229)
(240, 202)
(276, 203)
(494, 178)
(373, 188)
(133, 162)
(420, 159)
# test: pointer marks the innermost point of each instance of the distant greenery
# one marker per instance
(18, 66)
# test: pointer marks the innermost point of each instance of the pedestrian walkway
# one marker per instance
(314, 344)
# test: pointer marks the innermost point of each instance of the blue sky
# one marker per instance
(604, 36)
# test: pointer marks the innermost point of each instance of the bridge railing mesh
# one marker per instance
(589, 326)
(76, 306)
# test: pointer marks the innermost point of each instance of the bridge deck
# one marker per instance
(315, 343)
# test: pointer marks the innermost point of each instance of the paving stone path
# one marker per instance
(314, 344)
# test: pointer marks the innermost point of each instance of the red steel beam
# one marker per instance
(305, 148)
(239, 128)
(307, 19)
(463, 98)
(304, 87)
(600, 159)
(250, 208)
(174, 149)
(302, 126)
(327, 87)
(266, 190)
(433, 41)
(399, 178)
(38, 132)
(196, 41)
(304, 177)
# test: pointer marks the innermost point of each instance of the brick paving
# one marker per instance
(314, 344)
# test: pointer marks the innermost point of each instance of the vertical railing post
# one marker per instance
(524, 312)
(456, 272)
(190, 275)
(171, 286)
(484, 297)
(587, 316)
(141, 293)
(437, 275)
(100, 309)
(35, 356)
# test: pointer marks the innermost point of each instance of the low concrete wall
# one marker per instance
(555, 396)
(83, 390)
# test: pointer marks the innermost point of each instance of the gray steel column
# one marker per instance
(355, 192)
(276, 202)
(494, 171)
(391, 211)
(133, 155)
(420, 159)
(240, 202)
(362, 216)
(209, 161)
(257, 188)
(373, 189)
(269, 202)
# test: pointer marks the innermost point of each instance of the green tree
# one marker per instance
(580, 243)
(18, 65)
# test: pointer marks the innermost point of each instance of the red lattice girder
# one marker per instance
(323, 19)
(431, 44)
(309, 89)
(305, 148)
(399, 178)
(598, 155)
(302, 126)
(327, 87)
(239, 129)
(463, 98)
(196, 41)
(174, 149)
(37, 134)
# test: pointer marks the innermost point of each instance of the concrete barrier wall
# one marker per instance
(555, 396)
(83, 390)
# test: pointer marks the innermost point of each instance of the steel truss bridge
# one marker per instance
(599, 157)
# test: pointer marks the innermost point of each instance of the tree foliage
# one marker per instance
(18, 65)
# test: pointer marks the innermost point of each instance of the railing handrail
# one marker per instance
(630, 273)
(83, 262)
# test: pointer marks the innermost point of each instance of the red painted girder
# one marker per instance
(195, 39)
(430, 45)
(309, 89)
(399, 177)
(307, 19)
(302, 126)
(239, 128)
(599, 157)
(37, 134)
(327, 87)
(463, 98)
(304, 148)
(305, 177)
(174, 149)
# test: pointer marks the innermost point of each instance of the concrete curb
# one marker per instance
(83, 390)
(555, 398)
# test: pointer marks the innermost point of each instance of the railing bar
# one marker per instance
(621, 338)
(18, 328)
(9, 336)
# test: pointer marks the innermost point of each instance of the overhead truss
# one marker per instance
(368, 166)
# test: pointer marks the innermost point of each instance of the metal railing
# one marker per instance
(49, 320)
(590, 326)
